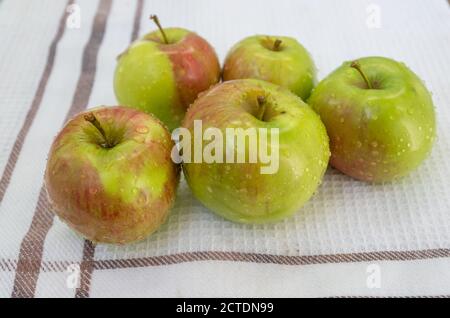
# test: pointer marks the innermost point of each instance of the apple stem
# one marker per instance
(357, 66)
(90, 117)
(155, 19)
(276, 45)
(262, 106)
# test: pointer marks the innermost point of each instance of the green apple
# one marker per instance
(379, 117)
(163, 72)
(277, 59)
(109, 174)
(240, 191)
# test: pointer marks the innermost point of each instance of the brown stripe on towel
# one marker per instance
(137, 20)
(271, 259)
(31, 249)
(398, 256)
(86, 269)
(35, 104)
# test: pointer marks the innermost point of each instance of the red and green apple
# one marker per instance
(280, 60)
(109, 174)
(379, 117)
(163, 72)
(240, 191)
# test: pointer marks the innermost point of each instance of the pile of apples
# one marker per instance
(110, 174)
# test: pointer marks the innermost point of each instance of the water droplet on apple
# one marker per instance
(210, 190)
(374, 144)
(420, 128)
(142, 129)
(139, 139)
(142, 199)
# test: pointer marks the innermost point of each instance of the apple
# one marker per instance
(379, 117)
(109, 174)
(239, 191)
(277, 59)
(163, 72)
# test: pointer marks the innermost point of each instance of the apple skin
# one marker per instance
(112, 195)
(238, 191)
(379, 134)
(291, 66)
(164, 79)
